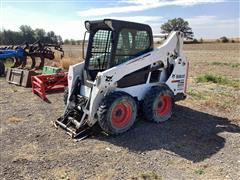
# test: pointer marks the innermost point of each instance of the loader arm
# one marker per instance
(171, 47)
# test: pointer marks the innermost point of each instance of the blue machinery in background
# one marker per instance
(6, 53)
(10, 53)
(20, 54)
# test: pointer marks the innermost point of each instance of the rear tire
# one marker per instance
(158, 104)
(117, 113)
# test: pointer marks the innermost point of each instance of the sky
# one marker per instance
(207, 18)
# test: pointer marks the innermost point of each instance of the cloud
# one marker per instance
(206, 21)
(68, 29)
(200, 21)
(171, 2)
(139, 19)
(211, 26)
(140, 5)
(205, 26)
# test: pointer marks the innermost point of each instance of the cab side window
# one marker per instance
(131, 43)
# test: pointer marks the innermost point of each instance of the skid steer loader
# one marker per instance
(122, 74)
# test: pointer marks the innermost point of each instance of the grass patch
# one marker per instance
(66, 62)
(227, 94)
(150, 176)
(218, 80)
(233, 65)
(199, 171)
(195, 93)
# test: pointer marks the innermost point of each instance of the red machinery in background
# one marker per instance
(48, 83)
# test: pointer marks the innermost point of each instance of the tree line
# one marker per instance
(27, 34)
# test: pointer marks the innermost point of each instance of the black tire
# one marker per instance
(117, 113)
(65, 95)
(158, 104)
(2, 68)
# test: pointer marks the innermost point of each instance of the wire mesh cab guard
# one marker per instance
(112, 42)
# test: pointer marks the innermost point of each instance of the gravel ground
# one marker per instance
(194, 144)
(201, 141)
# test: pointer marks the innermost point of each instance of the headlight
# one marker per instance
(87, 25)
(108, 22)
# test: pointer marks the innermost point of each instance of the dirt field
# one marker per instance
(201, 141)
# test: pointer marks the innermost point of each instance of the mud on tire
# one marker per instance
(117, 113)
(158, 104)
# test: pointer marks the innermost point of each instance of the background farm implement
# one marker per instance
(41, 78)
(49, 82)
(21, 53)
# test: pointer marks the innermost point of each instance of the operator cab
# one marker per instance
(113, 42)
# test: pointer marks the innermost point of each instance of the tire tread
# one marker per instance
(103, 109)
(149, 98)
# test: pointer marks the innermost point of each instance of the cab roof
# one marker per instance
(115, 25)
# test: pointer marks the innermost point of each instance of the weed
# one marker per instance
(227, 94)
(199, 171)
(66, 62)
(14, 90)
(150, 176)
(195, 93)
(218, 80)
(233, 65)
(217, 63)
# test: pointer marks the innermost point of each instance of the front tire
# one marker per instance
(117, 113)
(158, 104)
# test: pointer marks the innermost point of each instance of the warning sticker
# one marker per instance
(180, 85)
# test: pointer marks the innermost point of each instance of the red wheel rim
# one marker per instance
(164, 105)
(121, 114)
